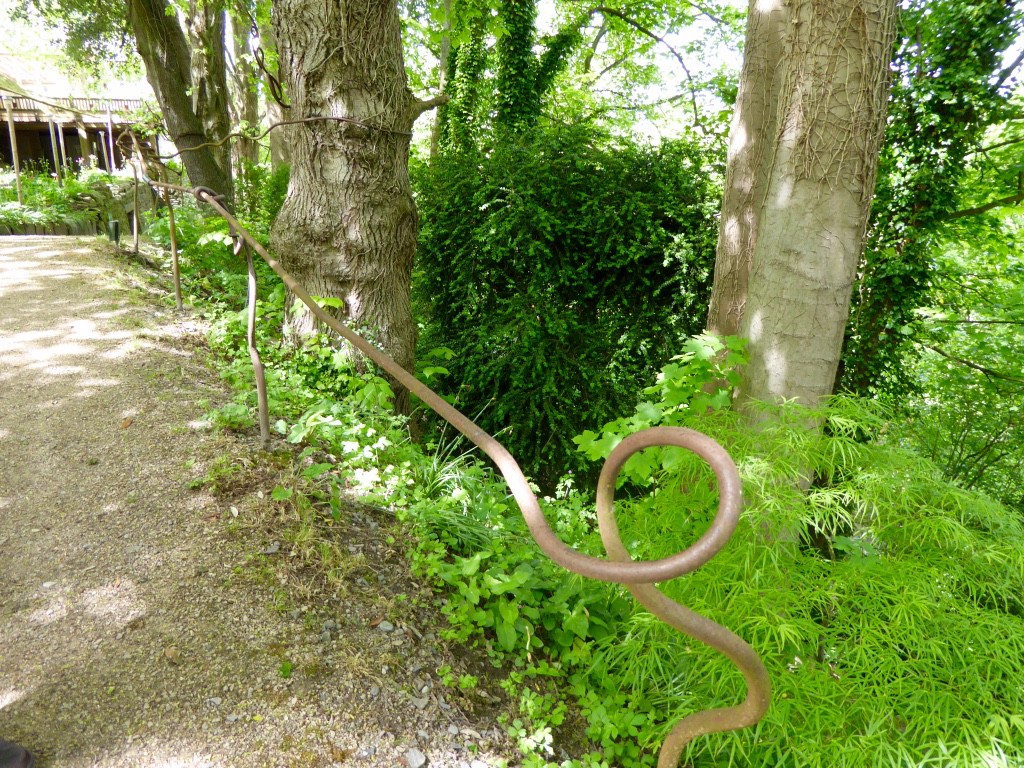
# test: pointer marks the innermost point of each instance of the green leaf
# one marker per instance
(329, 301)
(314, 471)
(509, 612)
(506, 635)
(471, 565)
(280, 493)
(649, 412)
(578, 623)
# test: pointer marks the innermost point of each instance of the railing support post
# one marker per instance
(175, 270)
(254, 355)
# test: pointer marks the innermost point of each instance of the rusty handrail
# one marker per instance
(638, 576)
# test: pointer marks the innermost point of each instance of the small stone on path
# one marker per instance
(415, 759)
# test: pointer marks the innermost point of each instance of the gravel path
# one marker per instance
(132, 632)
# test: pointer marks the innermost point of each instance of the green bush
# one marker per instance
(46, 202)
(559, 271)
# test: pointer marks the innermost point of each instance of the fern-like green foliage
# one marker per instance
(886, 602)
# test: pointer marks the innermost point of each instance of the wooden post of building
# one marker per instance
(110, 137)
(83, 145)
(63, 149)
(103, 148)
(14, 146)
(56, 152)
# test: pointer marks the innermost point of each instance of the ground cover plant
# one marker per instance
(46, 202)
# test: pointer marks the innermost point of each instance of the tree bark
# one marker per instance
(168, 60)
(755, 126)
(206, 28)
(280, 138)
(802, 162)
(348, 226)
(245, 111)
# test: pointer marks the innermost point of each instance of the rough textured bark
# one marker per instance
(348, 225)
(802, 162)
(168, 60)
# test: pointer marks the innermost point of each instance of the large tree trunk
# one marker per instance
(348, 225)
(206, 33)
(168, 60)
(802, 161)
(245, 108)
(280, 138)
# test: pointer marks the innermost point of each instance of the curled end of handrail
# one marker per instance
(681, 618)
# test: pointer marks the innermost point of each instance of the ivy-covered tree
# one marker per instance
(804, 147)
(949, 90)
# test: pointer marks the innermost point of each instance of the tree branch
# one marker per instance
(422, 106)
(634, 107)
(593, 45)
(603, 9)
(1003, 201)
(981, 322)
(974, 366)
(997, 145)
(610, 67)
(1007, 71)
(702, 11)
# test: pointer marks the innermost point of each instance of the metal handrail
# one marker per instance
(639, 577)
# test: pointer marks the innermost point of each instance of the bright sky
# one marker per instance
(31, 55)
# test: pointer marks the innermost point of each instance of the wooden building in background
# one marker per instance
(63, 132)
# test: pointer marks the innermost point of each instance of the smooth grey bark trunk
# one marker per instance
(206, 28)
(168, 61)
(348, 226)
(803, 155)
(245, 111)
